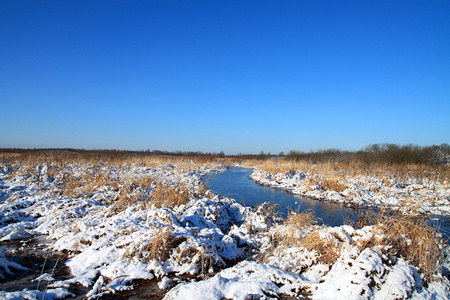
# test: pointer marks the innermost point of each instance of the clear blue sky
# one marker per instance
(238, 76)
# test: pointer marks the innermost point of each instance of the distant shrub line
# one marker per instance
(109, 152)
(379, 153)
(376, 153)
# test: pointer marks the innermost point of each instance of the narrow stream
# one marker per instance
(236, 183)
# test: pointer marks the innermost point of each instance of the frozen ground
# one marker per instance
(108, 223)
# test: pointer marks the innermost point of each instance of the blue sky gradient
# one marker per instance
(232, 76)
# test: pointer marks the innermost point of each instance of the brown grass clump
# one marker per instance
(341, 170)
(289, 234)
(411, 206)
(203, 191)
(161, 246)
(414, 240)
(125, 200)
(408, 237)
(294, 222)
(327, 251)
(70, 185)
(297, 220)
(86, 184)
(198, 256)
(269, 210)
(170, 196)
(134, 191)
(277, 166)
(333, 184)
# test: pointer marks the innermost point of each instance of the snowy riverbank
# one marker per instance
(113, 224)
(412, 196)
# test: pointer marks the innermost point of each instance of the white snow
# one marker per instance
(50, 294)
(240, 282)
(109, 248)
(44, 277)
(7, 267)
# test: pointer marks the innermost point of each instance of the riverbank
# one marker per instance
(121, 224)
(410, 191)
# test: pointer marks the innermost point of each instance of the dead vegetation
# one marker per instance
(411, 238)
(81, 176)
(161, 246)
(170, 196)
(62, 158)
(289, 233)
(333, 184)
(328, 251)
(301, 230)
(270, 212)
(339, 172)
(394, 235)
(158, 248)
(199, 256)
(416, 188)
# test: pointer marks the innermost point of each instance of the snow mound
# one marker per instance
(244, 281)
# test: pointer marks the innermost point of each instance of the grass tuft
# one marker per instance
(170, 196)
(333, 184)
(327, 250)
(411, 238)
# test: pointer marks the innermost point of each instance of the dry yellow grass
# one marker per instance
(86, 184)
(158, 248)
(269, 210)
(327, 250)
(289, 234)
(95, 158)
(341, 171)
(170, 196)
(414, 240)
(333, 184)
(405, 236)
(275, 166)
(162, 245)
(396, 235)
(203, 191)
(196, 255)
(296, 220)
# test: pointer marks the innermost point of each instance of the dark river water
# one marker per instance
(236, 183)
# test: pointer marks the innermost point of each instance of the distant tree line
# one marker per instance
(379, 153)
(376, 153)
(110, 152)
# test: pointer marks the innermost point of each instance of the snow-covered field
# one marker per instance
(116, 223)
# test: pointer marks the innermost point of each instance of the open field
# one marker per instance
(116, 219)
